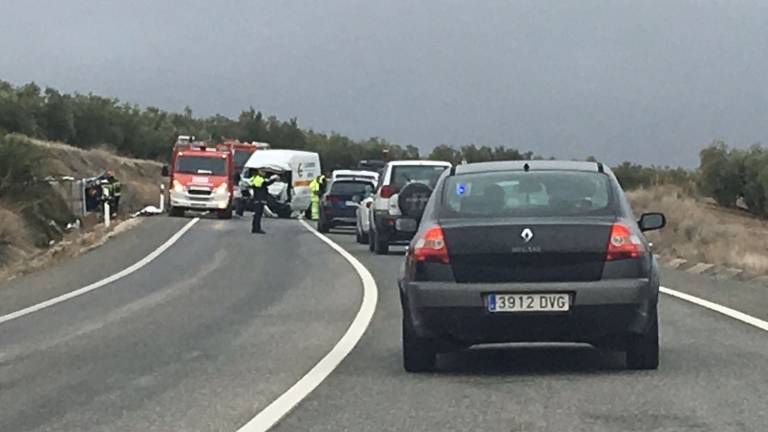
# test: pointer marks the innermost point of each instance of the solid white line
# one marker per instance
(281, 406)
(119, 275)
(733, 313)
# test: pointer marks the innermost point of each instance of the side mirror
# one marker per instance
(652, 221)
(164, 171)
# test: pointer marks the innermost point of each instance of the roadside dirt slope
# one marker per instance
(699, 231)
(32, 230)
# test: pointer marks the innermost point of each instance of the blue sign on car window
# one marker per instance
(460, 188)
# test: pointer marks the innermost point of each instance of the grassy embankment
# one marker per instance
(698, 230)
(34, 213)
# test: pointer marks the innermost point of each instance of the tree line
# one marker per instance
(735, 177)
(88, 120)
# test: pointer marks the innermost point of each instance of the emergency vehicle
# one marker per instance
(201, 179)
(241, 152)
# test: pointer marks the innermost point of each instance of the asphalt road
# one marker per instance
(223, 322)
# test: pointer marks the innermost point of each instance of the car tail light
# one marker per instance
(387, 191)
(431, 246)
(622, 244)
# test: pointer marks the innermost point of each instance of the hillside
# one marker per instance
(33, 225)
(700, 231)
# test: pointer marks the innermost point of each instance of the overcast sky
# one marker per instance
(647, 81)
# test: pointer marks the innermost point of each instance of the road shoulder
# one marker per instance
(748, 298)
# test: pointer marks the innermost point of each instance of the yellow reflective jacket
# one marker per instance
(257, 181)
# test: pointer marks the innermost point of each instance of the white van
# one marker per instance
(296, 169)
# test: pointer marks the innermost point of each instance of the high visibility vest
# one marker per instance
(314, 186)
(116, 187)
(257, 181)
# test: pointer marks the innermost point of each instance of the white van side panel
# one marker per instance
(305, 167)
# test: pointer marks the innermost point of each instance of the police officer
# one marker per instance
(260, 193)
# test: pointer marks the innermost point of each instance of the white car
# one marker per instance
(403, 191)
(364, 220)
(355, 174)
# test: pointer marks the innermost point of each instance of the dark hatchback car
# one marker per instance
(538, 251)
(338, 207)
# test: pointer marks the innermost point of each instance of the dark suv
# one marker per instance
(338, 206)
(539, 251)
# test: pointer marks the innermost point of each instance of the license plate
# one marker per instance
(528, 302)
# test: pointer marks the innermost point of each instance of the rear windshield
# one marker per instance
(531, 194)
(402, 175)
(241, 157)
(201, 165)
(351, 188)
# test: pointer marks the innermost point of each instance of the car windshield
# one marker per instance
(351, 188)
(201, 165)
(532, 194)
(241, 157)
(404, 174)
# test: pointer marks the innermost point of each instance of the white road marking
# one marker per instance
(733, 313)
(275, 411)
(108, 280)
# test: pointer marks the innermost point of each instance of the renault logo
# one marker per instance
(527, 235)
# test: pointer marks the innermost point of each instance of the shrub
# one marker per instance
(22, 164)
(721, 173)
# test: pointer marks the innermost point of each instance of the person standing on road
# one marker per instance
(260, 193)
(317, 189)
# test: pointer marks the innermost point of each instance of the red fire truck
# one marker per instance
(241, 152)
(201, 179)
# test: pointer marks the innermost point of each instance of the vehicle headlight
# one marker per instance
(221, 189)
(178, 187)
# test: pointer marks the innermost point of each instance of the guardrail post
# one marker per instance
(162, 198)
(105, 204)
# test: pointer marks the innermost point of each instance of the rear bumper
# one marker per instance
(339, 216)
(394, 228)
(602, 312)
(351, 221)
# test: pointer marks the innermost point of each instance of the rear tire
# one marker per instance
(322, 227)
(419, 354)
(643, 350)
(175, 212)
